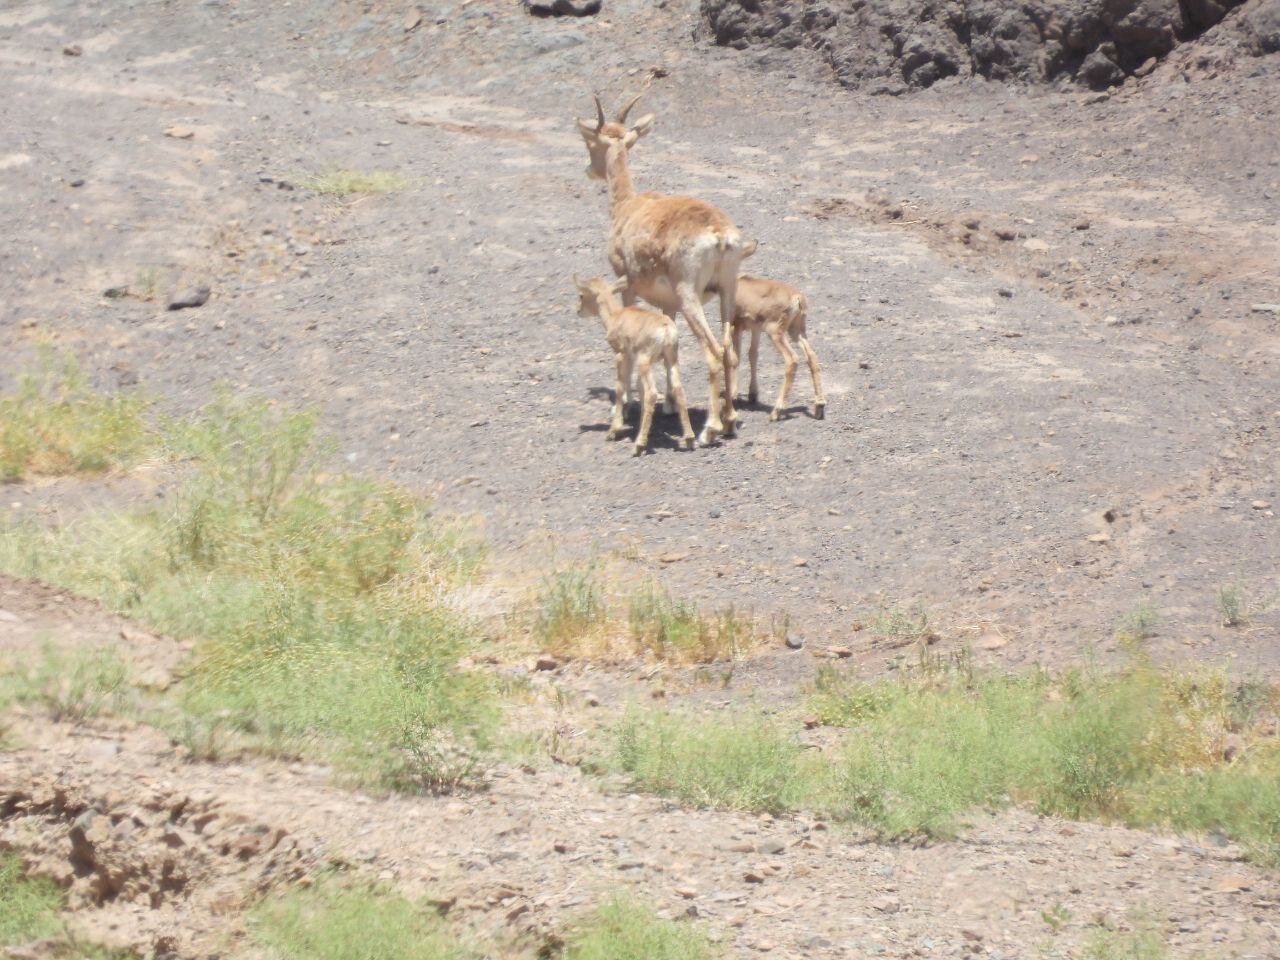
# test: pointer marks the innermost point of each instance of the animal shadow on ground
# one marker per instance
(795, 409)
(665, 432)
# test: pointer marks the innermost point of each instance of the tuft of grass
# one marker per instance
(316, 600)
(336, 921)
(906, 624)
(343, 182)
(569, 612)
(572, 617)
(667, 628)
(1144, 942)
(742, 764)
(1231, 608)
(625, 929)
(29, 906)
(71, 687)
(1137, 625)
(56, 424)
(1142, 746)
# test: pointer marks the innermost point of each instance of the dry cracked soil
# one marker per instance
(1048, 327)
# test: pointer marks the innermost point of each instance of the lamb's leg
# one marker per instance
(691, 308)
(648, 400)
(731, 364)
(815, 370)
(675, 392)
(790, 363)
(667, 407)
(618, 422)
(753, 354)
(727, 285)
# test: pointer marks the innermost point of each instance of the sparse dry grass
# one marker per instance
(56, 424)
(345, 182)
(572, 616)
(342, 920)
(69, 686)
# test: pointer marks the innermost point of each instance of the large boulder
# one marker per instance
(1259, 26)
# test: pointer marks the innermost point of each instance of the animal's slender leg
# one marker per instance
(731, 368)
(727, 285)
(753, 354)
(618, 422)
(648, 400)
(676, 393)
(667, 407)
(815, 370)
(779, 337)
(691, 308)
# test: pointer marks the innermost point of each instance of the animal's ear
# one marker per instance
(582, 287)
(750, 248)
(642, 127)
(586, 128)
(619, 285)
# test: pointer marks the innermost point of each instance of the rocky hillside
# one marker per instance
(914, 43)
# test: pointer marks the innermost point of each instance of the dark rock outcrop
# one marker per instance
(918, 42)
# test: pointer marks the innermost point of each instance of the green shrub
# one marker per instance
(623, 929)
(70, 686)
(746, 764)
(1143, 746)
(57, 424)
(315, 599)
(336, 921)
(29, 907)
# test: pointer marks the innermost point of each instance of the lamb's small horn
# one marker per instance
(600, 121)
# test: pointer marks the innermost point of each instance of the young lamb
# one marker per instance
(778, 309)
(639, 338)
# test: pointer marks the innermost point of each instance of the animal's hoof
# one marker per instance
(611, 435)
(819, 411)
(637, 450)
(753, 397)
(775, 414)
(688, 443)
(707, 437)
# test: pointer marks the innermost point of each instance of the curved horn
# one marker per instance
(622, 114)
(600, 121)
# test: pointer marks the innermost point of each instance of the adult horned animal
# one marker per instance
(675, 252)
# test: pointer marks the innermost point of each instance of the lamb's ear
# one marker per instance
(749, 249)
(642, 127)
(586, 128)
(619, 285)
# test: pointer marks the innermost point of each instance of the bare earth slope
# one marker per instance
(1035, 433)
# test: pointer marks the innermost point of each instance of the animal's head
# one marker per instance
(601, 134)
(595, 293)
